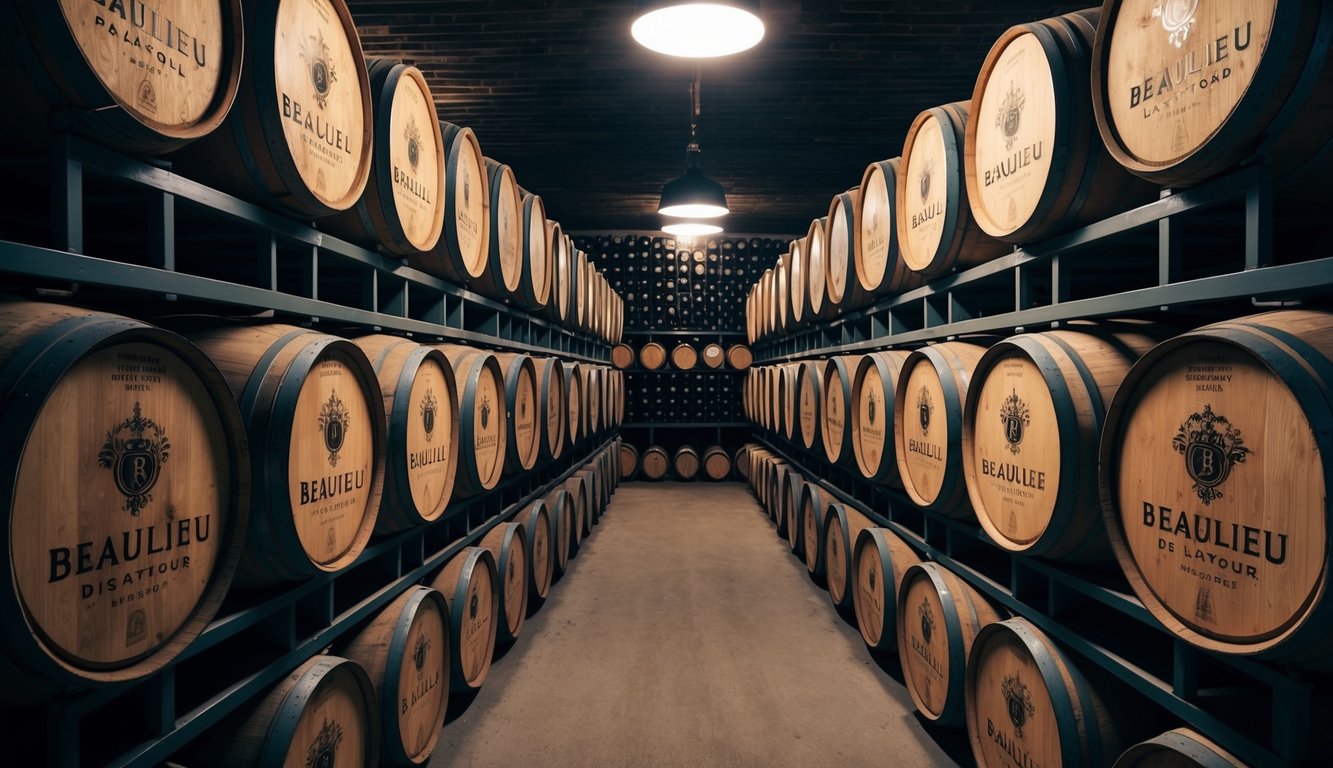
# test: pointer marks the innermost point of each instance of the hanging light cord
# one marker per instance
(696, 89)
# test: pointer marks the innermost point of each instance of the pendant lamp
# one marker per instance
(693, 195)
(698, 29)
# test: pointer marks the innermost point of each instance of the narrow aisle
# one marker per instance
(685, 634)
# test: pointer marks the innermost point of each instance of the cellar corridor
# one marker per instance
(685, 634)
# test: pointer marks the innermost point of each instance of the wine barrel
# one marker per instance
(561, 249)
(789, 405)
(553, 409)
(402, 208)
(840, 282)
(740, 461)
(574, 402)
(816, 269)
(880, 269)
(835, 413)
(874, 386)
(936, 231)
(739, 357)
(579, 524)
(1030, 456)
(538, 531)
(716, 463)
(505, 255)
(809, 398)
(322, 714)
(534, 289)
(1215, 464)
(508, 545)
(1031, 178)
(789, 507)
(1182, 96)
(939, 617)
(484, 426)
(685, 464)
(405, 653)
(560, 506)
(768, 322)
(592, 483)
(781, 294)
(777, 490)
(652, 355)
(928, 424)
(629, 461)
(814, 504)
(471, 588)
(66, 72)
(879, 560)
(592, 399)
(842, 526)
(1027, 703)
(578, 290)
(523, 414)
(460, 254)
(300, 136)
(622, 356)
(798, 284)
(684, 357)
(89, 402)
(713, 355)
(1178, 748)
(315, 422)
(421, 408)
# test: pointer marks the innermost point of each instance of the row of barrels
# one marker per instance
(687, 463)
(154, 471)
(1072, 119)
(379, 697)
(278, 105)
(965, 662)
(1199, 462)
(653, 355)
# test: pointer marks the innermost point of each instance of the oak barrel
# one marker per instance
(561, 248)
(684, 357)
(685, 464)
(652, 355)
(629, 461)
(505, 257)
(560, 507)
(471, 588)
(787, 404)
(315, 422)
(534, 290)
(524, 415)
(842, 527)
(880, 269)
(1215, 463)
(580, 500)
(842, 287)
(322, 714)
(874, 388)
(816, 269)
(879, 561)
(739, 357)
(553, 409)
(118, 432)
(792, 484)
(405, 653)
(928, 424)
(1028, 704)
(574, 402)
(508, 545)
(1181, 95)
(814, 504)
(835, 412)
(483, 423)
(592, 399)
(1178, 748)
(402, 207)
(809, 398)
(622, 356)
(460, 254)
(936, 231)
(539, 531)
(716, 463)
(300, 136)
(1031, 424)
(1038, 168)
(781, 294)
(798, 285)
(67, 72)
(939, 617)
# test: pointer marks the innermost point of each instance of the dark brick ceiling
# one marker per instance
(596, 124)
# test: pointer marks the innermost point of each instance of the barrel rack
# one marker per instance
(301, 275)
(1265, 715)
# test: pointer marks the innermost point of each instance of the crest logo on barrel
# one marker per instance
(1019, 702)
(872, 576)
(1211, 447)
(1177, 18)
(1010, 115)
(485, 411)
(413, 136)
(334, 420)
(429, 407)
(925, 406)
(1014, 415)
(874, 403)
(323, 751)
(923, 181)
(317, 57)
(927, 620)
(147, 97)
(136, 628)
(472, 606)
(419, 653)
(135, 451)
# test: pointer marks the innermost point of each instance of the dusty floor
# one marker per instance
(686, 634)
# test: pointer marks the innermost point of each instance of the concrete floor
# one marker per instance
(686, 634)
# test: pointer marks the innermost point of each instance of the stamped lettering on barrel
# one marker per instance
(430, 441)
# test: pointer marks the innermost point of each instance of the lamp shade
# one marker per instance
(691, 229)
(698, 30)
(694, 196)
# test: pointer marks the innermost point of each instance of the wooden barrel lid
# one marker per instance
(574, 401)
(527, 424)
(816, 267)
(116, 548)
(842, 527)
(840, 272)
(319, 715)
(483, 418)
(629, 461)
(506, 260)
(739, 357)
(717, 464)
(471, 589)
(551, 380)
(684, 357)
(537, 525)
(797, 285)
(809, 397)
(877, 262)
(923, 201)
(836, 411)
(879, 560)
(1214, 482)
(686, 463)
(928, 424)
(558, 506)
(652, 355)
(781, 294)
(1178, 748)
(713, 355)
(622, 356)
(592, 399)
(413, 166)
(467, 201)
(536, 287)
(873, 387)
(654, 463)
(507, 543)
(814, 505)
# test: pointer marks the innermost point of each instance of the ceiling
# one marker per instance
(596, 124)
